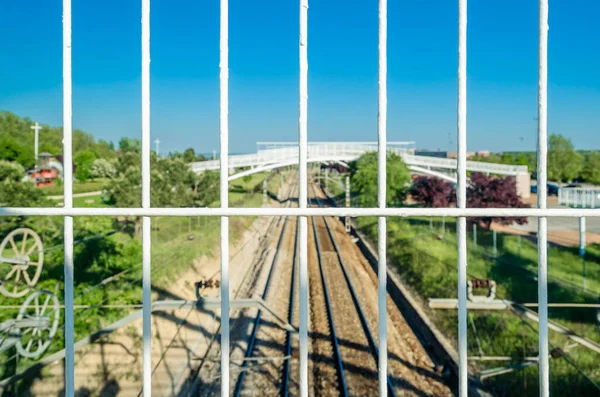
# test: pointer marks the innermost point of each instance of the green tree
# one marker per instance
(591, 170)
(12, 150)
(11, 170)
(17, 141)
(102, 168)
(105, 150)
(14, 192)
(564, 163)
(172, 184)
(189, 155)
(208, 187)
(130, 145)
(84, 161)
(364, 179)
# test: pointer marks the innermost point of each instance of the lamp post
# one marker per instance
(157, 142)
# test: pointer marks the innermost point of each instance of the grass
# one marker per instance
(90, 201)
(78, 187)
(428, 264)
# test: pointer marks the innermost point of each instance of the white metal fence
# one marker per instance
(579, 197)
(461, 212)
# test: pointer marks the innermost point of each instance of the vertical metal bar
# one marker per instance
(474, 234)
(461, 193)
(224, 190)
(582, 249)
(495, 242)
(146, 227)
(347, 219)
(542, 197)
(303, 194)
(381, 197)
(68, 200)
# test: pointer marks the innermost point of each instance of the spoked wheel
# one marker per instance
(21, 261)
(37, 323)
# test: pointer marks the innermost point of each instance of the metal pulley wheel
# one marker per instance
(37, 323)
(21, 261)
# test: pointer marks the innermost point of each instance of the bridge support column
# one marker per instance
(523, 185)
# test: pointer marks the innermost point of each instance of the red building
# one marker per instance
(48, 170)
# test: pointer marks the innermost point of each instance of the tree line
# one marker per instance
(565, 163)
(92, 158)
(483, 191)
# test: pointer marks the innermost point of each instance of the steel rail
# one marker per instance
(285, 387)
(363, 320)
(252, 339)
(334, 339)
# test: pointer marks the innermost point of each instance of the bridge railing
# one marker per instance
(476, 166)
(579, 197)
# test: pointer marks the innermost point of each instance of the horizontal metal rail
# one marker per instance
(306, 212)
(363, 320)
(497, 304)
(521, 310)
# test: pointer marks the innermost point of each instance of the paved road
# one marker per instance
(558, 224)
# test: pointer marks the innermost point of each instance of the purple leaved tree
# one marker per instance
(483, 192)
(433, 192)
(494, 192)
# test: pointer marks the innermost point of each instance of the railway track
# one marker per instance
(343, 313)
(354, 348)
(269, 347)
(410, 368)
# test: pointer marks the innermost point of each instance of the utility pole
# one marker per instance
(36, 127)
(157, 141)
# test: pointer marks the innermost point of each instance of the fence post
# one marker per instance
(495, 243)
(582, 248)
(347, 203)
(519, 248)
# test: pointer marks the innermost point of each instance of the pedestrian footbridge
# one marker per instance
(272, 155)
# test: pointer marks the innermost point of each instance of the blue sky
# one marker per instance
(502, 70)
